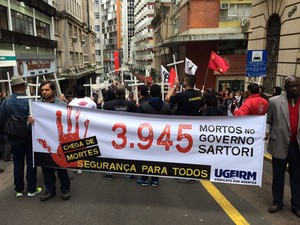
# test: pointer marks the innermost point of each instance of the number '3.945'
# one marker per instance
(146, 141)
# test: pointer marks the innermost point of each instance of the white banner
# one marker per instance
(190, 68)
(219, 149)
(164, 74)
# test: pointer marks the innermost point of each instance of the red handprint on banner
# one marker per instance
(59, 157)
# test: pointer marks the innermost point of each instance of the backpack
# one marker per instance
(15, 127)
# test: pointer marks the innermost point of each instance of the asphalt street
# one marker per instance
(119, 202)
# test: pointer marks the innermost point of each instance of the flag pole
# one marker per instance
(259, 80)
(204, 81)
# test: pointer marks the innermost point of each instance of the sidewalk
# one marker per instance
(6, 178)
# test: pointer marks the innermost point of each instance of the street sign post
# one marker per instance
(256, 63)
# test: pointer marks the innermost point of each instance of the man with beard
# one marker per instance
(48, 91)
(284, 139)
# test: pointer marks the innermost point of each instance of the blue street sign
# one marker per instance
(256, 63)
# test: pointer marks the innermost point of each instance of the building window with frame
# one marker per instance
(22, 23)
(70, 30)
(42, 29)
(97, 28)
(233, 12)
(3, 18)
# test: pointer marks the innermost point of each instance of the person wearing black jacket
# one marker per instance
(212, 108)
(153, 106)
(119, 104)
(190, 101)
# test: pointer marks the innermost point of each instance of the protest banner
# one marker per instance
(219, 149)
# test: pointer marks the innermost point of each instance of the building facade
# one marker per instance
(108, 27)
(74, 32)
(143, 36)
(127, 29)
(274, 27)
(27, 45)
(194, 28)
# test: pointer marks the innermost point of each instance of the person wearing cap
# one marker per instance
(21, 147)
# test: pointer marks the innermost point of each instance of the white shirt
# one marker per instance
(83, 102)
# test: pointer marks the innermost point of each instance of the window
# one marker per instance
(22, 23)
(42, 29)
(96, 15)
(3, 18)
(239, 10)
(70, 30)
(235, 12)
(97, 28)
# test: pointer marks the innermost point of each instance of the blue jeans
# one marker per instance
(279, 170)
(22, 152)
(50, 179)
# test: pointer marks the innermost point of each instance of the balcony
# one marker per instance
(41, 6)
(13, 37)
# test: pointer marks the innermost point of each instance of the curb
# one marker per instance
(268, 157)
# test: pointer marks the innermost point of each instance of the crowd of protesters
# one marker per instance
(189, 102)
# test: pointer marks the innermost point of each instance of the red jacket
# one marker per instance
(254, 105)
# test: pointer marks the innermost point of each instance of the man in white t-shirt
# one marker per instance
(82, 101)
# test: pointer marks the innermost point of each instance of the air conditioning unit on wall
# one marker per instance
(224, 6)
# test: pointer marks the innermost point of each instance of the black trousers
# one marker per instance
(279, 171)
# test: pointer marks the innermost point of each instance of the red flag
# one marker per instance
(116, 58)
(217, 63)
(172, 77)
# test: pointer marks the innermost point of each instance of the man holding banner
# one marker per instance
(119, 104)
(48, 92)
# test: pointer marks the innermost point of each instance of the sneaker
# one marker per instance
(37, 191)
(19, 194)
(47, 196)
(129, 177)
(108, 176)
(154, 183)
(142, 182)
(78, 171)
(65, 195)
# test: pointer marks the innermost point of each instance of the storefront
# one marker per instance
(7, 62)
(234, 78)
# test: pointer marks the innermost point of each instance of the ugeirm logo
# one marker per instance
(246, 175)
